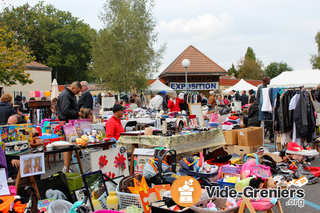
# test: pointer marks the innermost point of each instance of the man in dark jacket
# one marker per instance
(67, 105)
(253, 115)
(243, 98)
(85, 100)
(6, 110)
(24, 106)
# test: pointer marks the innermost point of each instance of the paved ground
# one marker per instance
(312, 192)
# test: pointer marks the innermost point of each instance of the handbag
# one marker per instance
(74, 180)
(54, 187)
(214, 117)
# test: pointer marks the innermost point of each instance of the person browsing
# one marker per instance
(173, 103)
(113, 125)
(24, 106)
(85, 101)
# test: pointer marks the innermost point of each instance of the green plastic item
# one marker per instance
(74, 180)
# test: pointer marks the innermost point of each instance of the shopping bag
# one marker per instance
(214, 117)
(74, 180)
(54, 187)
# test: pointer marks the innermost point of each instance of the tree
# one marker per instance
(274, 69)
(250, 67)
(13, 58)
(123, 54)
(55, 38)
(233, 71)
(315, 59)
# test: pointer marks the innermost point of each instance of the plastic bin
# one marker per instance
(200, 207)
(221, 184)
(127, 199)
(168, 202)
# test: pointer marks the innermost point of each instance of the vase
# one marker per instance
(112, 201)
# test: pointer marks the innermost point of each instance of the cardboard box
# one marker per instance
(251, 136)
(241, 150)
(229, 149)
(231, 137)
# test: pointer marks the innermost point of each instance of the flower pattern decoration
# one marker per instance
(102, 161)
(110, 175)
(120, 162)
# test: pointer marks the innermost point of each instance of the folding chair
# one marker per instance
(253, 206)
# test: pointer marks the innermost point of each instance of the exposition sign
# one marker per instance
(194, 86)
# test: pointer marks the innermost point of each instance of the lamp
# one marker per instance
(186, 64)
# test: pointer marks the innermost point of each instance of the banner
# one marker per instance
(195, 86)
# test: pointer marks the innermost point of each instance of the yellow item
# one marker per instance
(84, 138)
(235, 160)
(47, 93)
(232, 179)
(112, 201)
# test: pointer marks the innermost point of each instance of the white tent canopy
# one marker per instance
(241, 85)
(54, 89)
(158, 86)
(307, 78)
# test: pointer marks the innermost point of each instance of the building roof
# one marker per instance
(228, 77)
(153, 80)
(33, 65)
(231, 82)
(199, 64)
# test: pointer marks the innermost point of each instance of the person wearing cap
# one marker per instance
(24, 106)
(113, 125)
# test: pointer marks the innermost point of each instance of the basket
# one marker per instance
(200, 207)
(221, 184)
(127, 199)
(233, 170)
(168, 202)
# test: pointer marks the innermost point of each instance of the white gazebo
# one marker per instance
(158, 86)
(54, 89)
(306, 78)
(241, 85)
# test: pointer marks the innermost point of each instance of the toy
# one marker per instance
(231, 202)
(82, 141)
(271, 183)
(211, 206)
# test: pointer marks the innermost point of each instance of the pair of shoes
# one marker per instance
(65, 168)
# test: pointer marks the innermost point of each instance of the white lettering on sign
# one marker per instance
(194, 86)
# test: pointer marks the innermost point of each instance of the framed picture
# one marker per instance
(112, 162)
(96, 187)
(32, 165)
(112, 184)
(78, 193)
(196, 109)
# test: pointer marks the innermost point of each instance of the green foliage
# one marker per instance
(13, 58)
(315, 59)
(55, 38)
(123, 54)
(250, 54)
(249, 67)
(234, 71)
(274, 69)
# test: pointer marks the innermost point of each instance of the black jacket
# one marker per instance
(27, 108)
(244, 99)
(86, 101)
(6, 110)
(253, 115)
(67, 106)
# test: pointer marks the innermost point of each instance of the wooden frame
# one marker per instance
(196, 109)
(247, 203)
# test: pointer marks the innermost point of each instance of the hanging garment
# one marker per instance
(292, 107)
(266, 105)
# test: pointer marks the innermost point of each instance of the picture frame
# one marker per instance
(31, 165)
(80, 196)
(95, 185)
(112, 184)
(196, 109)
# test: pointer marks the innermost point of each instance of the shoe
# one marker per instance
(294, 148)
(65, 168)
(301, 171)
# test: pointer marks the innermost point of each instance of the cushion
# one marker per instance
(259, 205)
(243, 183)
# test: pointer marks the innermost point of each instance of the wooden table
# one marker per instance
(193, 142)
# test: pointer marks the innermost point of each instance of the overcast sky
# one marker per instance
(277, 30)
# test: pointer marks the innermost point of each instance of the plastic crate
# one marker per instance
(168, 202)
(221, 184)
(127, 199)
(231, 169)
(200, 207)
